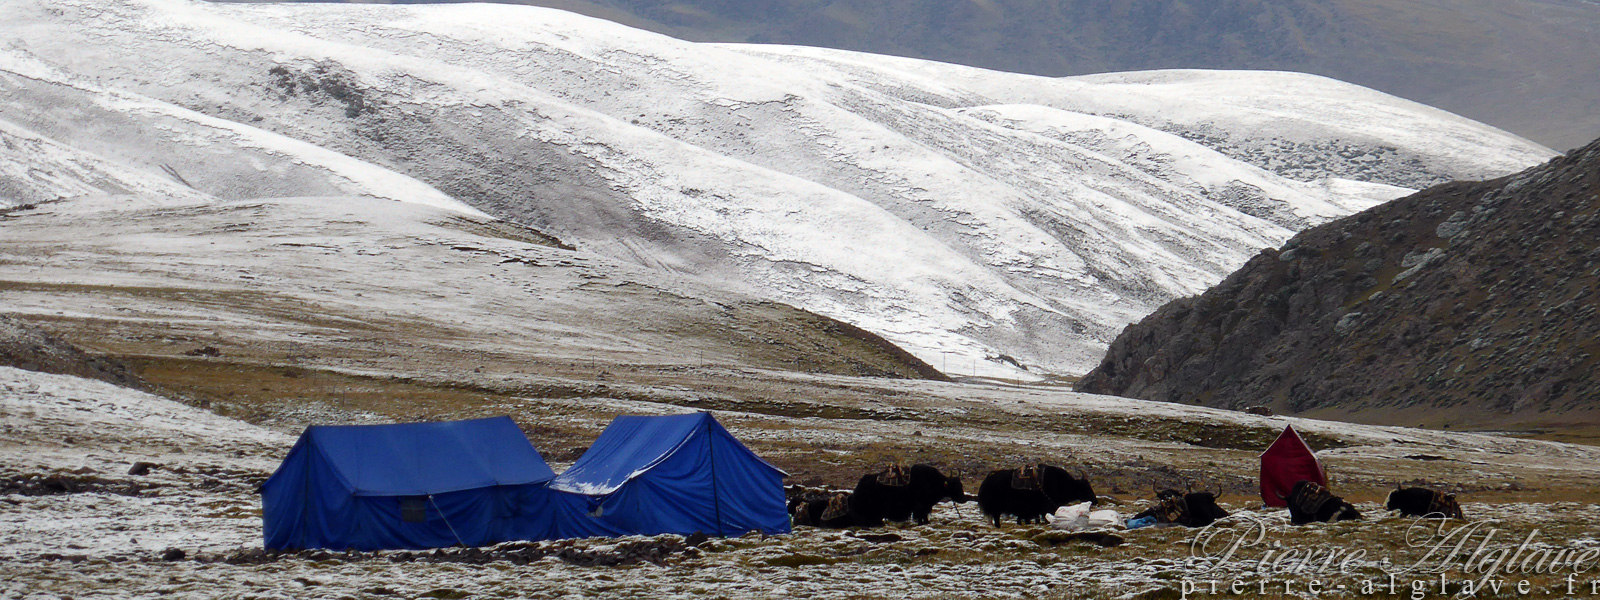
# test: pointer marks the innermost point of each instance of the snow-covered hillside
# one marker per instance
(65, 136)
(978, 219)
(347, 283)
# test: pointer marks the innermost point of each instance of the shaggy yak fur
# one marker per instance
(1194, 509)
(919, 488)
(1309, 502)
(1423, 502)
(1030, 493)
(822, 510)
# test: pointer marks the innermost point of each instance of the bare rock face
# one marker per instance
(1476, 296)
(27, 347)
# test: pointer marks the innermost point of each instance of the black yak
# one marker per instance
(1423, 502)
(1030, 493)
(898, 494)
(831, 511)
(1309, 502)
(1194, 509)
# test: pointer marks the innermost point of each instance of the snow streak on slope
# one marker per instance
(1194, 167)
(978, 219)
(36, 168)
(1302, 126)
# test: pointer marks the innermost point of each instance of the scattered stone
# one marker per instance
(1452, 226)
(799, 559)
(446, 594)
(72, 558)
(1098, 538)
(1425, 457)
(878, 538)
(59, 484)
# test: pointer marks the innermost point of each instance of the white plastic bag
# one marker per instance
(1071, 518)
(1104, 518)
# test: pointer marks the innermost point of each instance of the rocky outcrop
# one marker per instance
(27, 347)
(1475, 296)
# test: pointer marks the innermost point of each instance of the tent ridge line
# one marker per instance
(711, 451)
(556, 484)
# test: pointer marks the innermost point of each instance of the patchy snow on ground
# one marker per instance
(198, 494)
(108, 533)
(981, 220)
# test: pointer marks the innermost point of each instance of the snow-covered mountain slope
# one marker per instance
(1302, 126)
(65, 136)
(344, 283)
(979, 219)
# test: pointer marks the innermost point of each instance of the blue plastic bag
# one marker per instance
(1141, 522)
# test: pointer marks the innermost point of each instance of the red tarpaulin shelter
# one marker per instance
(1286, 462)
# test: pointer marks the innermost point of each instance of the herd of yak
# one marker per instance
(1031, 492)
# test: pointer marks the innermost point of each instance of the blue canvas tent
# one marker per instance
(672, 474)
(413, 486)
